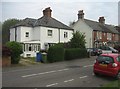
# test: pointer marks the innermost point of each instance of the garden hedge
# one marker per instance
(55, 53)
(74, 53)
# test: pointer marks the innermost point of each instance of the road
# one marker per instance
(75, 73)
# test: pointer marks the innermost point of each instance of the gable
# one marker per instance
(80, 25)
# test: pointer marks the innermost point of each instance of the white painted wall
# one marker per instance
(62, 39)
(23, 33)
(12, 34)
(81, 26)
(36, 33)
(18, 31)
(44, 38)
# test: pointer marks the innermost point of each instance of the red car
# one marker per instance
(107, 64)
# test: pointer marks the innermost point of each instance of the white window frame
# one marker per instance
(65, 34)
(50, 33)
(27, 34)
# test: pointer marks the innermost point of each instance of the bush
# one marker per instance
(16, 50)
(75, 53)
(55, 53)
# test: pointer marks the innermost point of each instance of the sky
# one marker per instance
(63, 10)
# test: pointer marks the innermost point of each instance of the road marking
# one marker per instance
(88, 66)
(43, 73)
(51, 85)
(68, 80)
(83, 77)
(63, 69)
(14, 70)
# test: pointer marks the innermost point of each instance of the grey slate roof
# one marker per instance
(96, 26)
(29, 22)
(43, 21)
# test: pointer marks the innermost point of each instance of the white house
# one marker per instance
(81, 26)
(37, 34)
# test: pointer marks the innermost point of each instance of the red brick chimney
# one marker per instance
(80, 14)
(47, 12)
(101, 20)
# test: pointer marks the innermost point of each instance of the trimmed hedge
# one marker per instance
(55, 53)
(74, 53)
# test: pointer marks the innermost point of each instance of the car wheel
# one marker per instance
(118, 75)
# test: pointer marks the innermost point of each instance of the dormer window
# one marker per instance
(27, 34)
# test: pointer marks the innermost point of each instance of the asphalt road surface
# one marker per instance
(75, 73)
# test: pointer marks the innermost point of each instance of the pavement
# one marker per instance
(74, 73)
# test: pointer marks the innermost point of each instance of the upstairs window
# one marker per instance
(27, 34)
(65, 34)
(49, 33)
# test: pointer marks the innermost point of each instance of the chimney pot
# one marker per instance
(80, 14)
(102, 20)
(47, 12)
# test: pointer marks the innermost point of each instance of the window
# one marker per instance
(49, 32)
(27, 34)
(100, 35)
(65, 34)
(105, 58)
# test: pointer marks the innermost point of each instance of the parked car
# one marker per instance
(107, 64)
(108, 49)
(117, 47)
(94, 51)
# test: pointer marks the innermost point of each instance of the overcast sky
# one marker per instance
(64, 10)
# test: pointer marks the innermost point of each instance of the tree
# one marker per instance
(16, 50)
(5, 29)
(78, 40)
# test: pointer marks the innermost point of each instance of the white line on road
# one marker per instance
(44, 73)
(69, 80)
(63, 69)
(88, 66)
(83, 77)
(51, 85)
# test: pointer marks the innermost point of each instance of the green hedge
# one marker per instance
(55, 53)
(74, 53)
(16, 50)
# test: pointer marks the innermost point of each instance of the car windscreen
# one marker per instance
(105, 59)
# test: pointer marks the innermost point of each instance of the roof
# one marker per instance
(29, 22)
(96, 26)
(43, 21)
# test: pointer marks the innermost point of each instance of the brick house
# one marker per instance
(97, 32)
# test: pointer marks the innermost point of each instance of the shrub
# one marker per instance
(75, 53)
(55, 53)
(16, 50)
